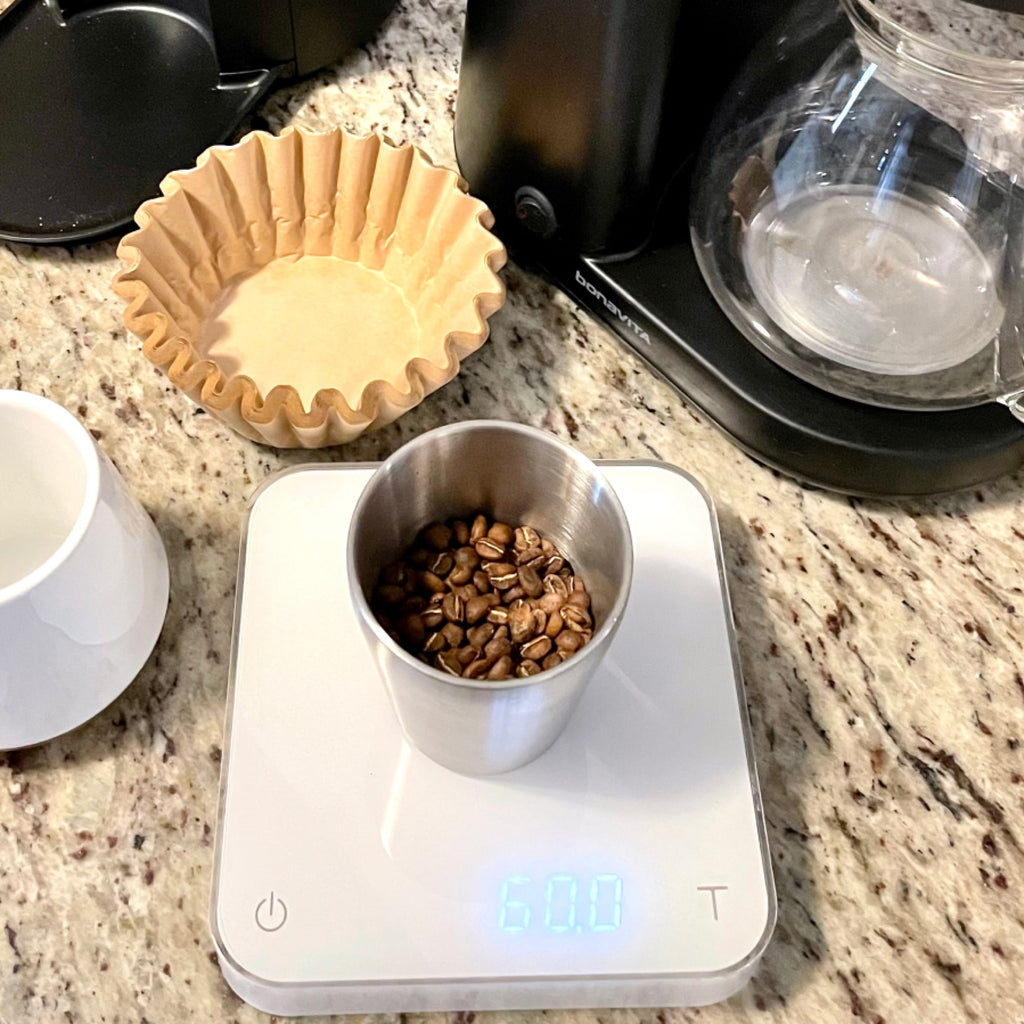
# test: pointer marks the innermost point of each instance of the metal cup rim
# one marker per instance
(611, 620)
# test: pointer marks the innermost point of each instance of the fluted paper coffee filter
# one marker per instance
(306, 287)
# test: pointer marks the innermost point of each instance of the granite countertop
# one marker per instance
(881, 645)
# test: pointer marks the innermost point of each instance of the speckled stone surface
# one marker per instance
(881, 645)
(970, 28)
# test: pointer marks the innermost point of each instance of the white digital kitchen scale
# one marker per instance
(627, 866)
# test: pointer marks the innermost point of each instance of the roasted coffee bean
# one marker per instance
(484, 600)
(502, 575)
(419, 558)
(460, 575)
(467, 556)
(432, 582)
(575, 618)
(501, 669)
(478, 636)
(476, 669)
(489, 550)
(389, 594)
(436, 536)
(553, 660)
(453, 634)
(530, 581)
(442, 565)
(536, 648)
(477, 608)
(498, 646)
(393, 575)
(520, 622)
(448, 661)
(453, 607)
(526, 538)
(569, 641)
(478, 529)
(432, 617)
(413, 603)
(530, 556)
(554, 564)
(435, 642)
(412, 629)
(501, 533)
(540, 620)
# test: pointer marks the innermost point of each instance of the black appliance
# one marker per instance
(578, 122)
(102, 99)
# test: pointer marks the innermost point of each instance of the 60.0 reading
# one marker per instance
(561, 903)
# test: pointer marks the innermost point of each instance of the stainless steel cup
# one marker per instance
(519, 475)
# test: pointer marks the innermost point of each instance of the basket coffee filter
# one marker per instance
(306, 287)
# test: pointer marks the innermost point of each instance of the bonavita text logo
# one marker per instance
(612, 308)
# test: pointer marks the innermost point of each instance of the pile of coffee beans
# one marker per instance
(483, 600)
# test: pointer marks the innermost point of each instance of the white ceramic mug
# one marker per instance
(83, 574)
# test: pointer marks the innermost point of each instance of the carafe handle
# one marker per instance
(1015, 403)
(1009, 366)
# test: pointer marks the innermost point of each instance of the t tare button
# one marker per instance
(271, 913)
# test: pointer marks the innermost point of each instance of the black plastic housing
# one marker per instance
(298, 36)
(595, 103)
(101, 99)
(597, 107)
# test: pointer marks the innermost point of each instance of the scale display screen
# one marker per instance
(554, 903)
(632, 848)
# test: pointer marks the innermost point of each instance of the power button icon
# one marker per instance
(271, 913)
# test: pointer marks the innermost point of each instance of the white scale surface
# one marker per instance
(627, 866)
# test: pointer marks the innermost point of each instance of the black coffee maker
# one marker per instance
(101, 98)
(579, 121)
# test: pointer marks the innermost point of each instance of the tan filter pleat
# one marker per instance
(306, 287)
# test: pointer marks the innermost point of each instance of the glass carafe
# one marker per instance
(857, 212)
